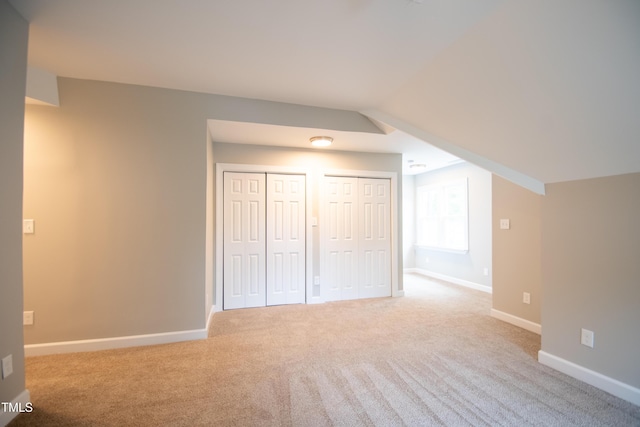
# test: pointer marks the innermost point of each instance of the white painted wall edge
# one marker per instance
(6, 417)
(517, 321)
(113, 343)
(450, 279)
(596, 379)
(507, 173)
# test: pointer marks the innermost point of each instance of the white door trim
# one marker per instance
(393, 176)
(221, 168)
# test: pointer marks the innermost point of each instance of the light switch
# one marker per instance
(28, 226)
(314, 221)
(505, 224)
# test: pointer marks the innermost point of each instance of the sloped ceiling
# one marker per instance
(546, 88)
(549, 88)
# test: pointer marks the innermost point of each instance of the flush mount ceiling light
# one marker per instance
(417, 166)
(321, 141)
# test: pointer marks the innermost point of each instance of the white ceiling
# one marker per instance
(548, 88)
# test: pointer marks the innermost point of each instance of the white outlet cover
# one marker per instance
(27, 318)
(7, 366)
(587, 338)
(505, 224)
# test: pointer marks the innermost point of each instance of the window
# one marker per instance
(442, 216)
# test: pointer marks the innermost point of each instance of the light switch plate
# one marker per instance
(505, 224)
(28, 226)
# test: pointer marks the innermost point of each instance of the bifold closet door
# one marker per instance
(375, 237)
(244, 240)
(341, 251)
(357, 253)
(286, 239)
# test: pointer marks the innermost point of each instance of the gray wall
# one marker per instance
(591, 274)
(116, 180)
(14, 32)
(516, 252)
(469, 266)
(315, 161)
(408, 221)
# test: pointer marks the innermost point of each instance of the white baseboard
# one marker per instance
(112, 343)
(212, 311)
(450, 279)
(517, 321)
(22, 399)
(610, 385)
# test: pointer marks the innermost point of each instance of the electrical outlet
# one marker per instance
(486, 271)
(586, 338)
(505, 224)
(316, 280)
(27, 317)
(7, 366)
(526, 297)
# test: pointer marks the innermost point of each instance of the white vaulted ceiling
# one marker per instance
(545, 88)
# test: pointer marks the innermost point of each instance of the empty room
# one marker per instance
(406, 212)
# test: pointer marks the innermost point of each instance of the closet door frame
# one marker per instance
(221, 168)
(348, 173)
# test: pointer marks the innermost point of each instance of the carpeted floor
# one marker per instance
(434, 357)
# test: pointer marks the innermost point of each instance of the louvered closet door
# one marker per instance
(285, 239)
(244, 240)
(340, 270)
(375, 237)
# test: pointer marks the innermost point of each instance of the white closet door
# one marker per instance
(340, 270)
(285, 239)
(375, 237)
(244, 240)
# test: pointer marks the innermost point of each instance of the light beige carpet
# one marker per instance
(433, 357)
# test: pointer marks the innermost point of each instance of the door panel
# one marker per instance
(357, 261)
(286, 243)
(342, 239)
(375, 237)
(244, 240)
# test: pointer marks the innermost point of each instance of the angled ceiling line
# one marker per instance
(505, 172)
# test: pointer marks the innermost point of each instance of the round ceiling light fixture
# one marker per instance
(321, 141)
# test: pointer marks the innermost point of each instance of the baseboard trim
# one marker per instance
(113, 343)
(6, 417)
(212, 311)
(450, 279)
(610, 385)
(517, 321)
